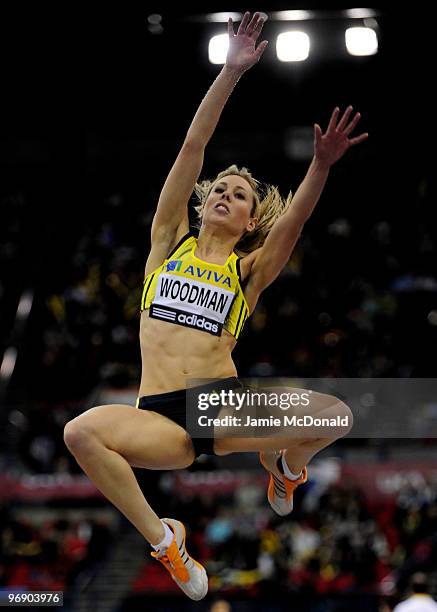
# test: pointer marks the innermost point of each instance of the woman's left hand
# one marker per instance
(242, 53)
(333, 144)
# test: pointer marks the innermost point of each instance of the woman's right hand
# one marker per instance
(242, 54)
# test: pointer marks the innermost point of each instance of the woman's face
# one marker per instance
(230, 203)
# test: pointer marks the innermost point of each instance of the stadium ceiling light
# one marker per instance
(361, 41)
(154, 23)
(154, 19)
(218, 48)
(223, 17)
(292, 46)
(292, 15)
(219, 17)
(360, 13)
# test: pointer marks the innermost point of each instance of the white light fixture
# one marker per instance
(292, 46)
(359, 13)
(154, 19)
(361, 41)
(292, 15)
(218, 48)
(223, 17)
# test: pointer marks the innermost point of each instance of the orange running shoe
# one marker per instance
(281, 489)
(188, 574)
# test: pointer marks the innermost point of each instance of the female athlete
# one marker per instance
(198, 293)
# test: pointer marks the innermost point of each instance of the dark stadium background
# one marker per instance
(94, 108)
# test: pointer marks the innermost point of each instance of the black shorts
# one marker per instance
(173, 406)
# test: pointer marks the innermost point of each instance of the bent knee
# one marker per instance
(77, 435)
(344, 418)
(334, 422)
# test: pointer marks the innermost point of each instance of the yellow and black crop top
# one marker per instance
(186, 290)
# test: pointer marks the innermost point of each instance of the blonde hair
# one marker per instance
(268, 206)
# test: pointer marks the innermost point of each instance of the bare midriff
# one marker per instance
(176, 357)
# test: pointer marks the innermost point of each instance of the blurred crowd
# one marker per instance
(337, 542)
(345, 543)
(51, 554)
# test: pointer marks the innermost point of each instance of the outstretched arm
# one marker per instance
(279, 244)
(241, 56)
(172, 210)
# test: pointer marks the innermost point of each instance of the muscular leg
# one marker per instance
(107, 440)
(301, 445)
(299, 455)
